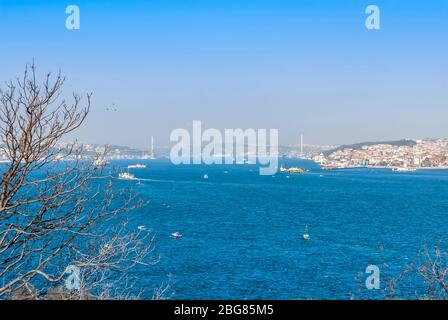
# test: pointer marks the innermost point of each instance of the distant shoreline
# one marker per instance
(386, 167)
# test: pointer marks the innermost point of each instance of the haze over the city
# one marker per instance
(306, 67)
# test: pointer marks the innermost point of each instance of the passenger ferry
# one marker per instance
(137, 166)
(296, 170)
(126, 176)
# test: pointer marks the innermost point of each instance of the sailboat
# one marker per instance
(306, 235)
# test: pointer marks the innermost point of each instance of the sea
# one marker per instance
(243, 232)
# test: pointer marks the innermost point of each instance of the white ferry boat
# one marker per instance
(126, 176)
(137, 166)
(296, 170)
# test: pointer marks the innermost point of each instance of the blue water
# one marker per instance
(243, 232)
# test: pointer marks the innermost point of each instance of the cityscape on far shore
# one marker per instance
(403, 155)
(400, 155)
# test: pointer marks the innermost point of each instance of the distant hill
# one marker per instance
(358, 146)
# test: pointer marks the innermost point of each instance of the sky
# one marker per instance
(308, 66)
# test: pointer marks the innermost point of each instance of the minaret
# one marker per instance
(152, 155)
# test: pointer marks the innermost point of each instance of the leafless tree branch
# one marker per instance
(55, 206)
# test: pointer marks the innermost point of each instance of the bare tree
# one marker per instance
(424, 278)
(56, 205)
(433, 270)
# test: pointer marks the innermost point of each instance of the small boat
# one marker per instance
(205, 176)
(306, 235)
(126, 176)
(142, 228)
(403, 169)
(176, 235)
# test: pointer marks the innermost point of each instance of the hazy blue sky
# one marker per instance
(300, 66)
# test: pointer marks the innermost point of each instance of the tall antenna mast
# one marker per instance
(301, 144)
(152, 147)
